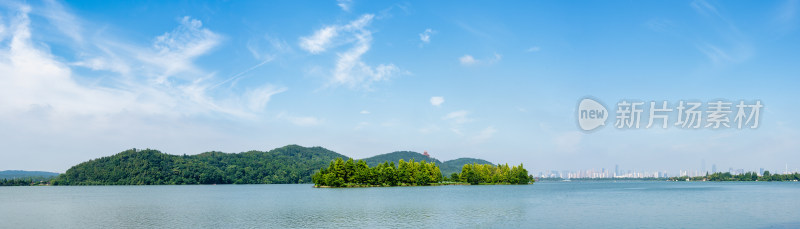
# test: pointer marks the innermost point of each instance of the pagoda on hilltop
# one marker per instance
(426, 154)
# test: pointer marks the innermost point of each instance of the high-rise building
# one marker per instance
(713, 168)
(616, 170)
(703, 166)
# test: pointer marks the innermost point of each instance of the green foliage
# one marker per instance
(340, 173)
(455, 165)
(491, 174)
(286, 165)
(26, 181)
(397, 156)
(447, 167)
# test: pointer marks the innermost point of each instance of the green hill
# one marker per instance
(447, 167)
(396, 156)
(286, 165)
(20, 174)
(455, 165)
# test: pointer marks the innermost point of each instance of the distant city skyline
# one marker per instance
(649, 173)
(499, 81)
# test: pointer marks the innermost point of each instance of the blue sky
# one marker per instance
(498, 81)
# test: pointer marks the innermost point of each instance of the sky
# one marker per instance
(499, 81)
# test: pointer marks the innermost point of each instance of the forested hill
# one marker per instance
(396, 156)
(447, 167)
(455, 165)
(285, 165)
(18, 174)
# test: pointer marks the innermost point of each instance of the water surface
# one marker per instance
(544, 204)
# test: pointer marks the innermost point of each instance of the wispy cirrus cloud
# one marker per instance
(64, 21)
(729, 45)
(346, 5)
(300, 120)
(484, 135)
(177, 49)
(457, 119)
(349, 70)
(533, 49)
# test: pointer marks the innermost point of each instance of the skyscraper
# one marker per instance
(703, 166)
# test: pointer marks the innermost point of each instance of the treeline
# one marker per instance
(748, 176)
(491, 174)
(27, 181)
(446, 167)
(286, 165)
(340, 173)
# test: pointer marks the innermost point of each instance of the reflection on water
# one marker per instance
(544, 204)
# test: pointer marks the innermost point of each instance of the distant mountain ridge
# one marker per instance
(18, 174)
(285, 165)
(447, 167)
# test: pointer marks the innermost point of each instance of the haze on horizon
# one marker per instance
(501, 82)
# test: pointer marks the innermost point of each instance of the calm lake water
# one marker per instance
(544, 204)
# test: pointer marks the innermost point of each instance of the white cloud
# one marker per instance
(273, 47)
(364, 112)
(35, 77)
(257, 99)
(345, 4)
(110, 62)
(350, 70)
(425, 36)
(299, 120)
(467, 60)
(177, 49)
(497, 58)
(65, 22)
(437, 100)
(361, 125)
(458, 117)
(533, 49)
(484, 135)
(429, 129)
(320, 41)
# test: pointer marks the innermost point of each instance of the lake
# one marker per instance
(574, 204)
